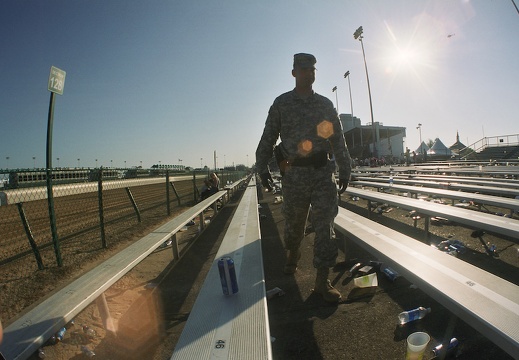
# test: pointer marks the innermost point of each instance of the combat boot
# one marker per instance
(324, 287)
(293, 257)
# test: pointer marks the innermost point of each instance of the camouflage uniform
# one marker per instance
(307, 126)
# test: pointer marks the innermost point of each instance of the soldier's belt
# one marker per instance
(316, 160)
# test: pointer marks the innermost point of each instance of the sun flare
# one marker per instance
(412, 52)
(406, 56)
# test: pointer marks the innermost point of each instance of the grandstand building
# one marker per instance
(389, 140)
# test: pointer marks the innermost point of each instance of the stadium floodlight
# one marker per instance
(357, 35)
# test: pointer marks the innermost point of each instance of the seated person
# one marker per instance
(206, 190)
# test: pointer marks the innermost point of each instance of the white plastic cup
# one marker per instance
(416, 344)
(366, 281)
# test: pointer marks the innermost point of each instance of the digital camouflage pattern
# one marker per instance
(307, 126)
(304, 126)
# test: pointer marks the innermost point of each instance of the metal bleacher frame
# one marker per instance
(492, 190)
(478, 199)
(491, 223)
(475, 180)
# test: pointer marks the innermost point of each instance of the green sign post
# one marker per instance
(55, 86)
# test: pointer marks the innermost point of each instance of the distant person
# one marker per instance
(310, 133)
(215, 183)
(407, 156)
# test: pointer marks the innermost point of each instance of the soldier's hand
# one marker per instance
(343, 184)
(266, 181)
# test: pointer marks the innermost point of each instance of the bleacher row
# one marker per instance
(237, 326)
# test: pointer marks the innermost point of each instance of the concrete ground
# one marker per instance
(363, 325)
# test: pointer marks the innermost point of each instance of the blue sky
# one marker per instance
(164, 80)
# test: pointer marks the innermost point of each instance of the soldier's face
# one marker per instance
(304, 76)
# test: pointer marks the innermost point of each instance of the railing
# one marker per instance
(493, 141)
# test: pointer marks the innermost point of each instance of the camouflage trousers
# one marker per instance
(304, 187)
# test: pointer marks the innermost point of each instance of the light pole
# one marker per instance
(78, 162)
(358, 35)
(336, 98)
(347, 75)
(419, 127)
(58, 161)
(34, 161)
(7, 158)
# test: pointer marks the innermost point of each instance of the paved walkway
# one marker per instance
(364, 324)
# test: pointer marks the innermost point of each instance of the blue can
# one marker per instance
(391, 274)
(60, 334)
(228, 275)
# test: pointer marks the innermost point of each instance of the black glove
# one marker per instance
(266, 181)
(343, 184)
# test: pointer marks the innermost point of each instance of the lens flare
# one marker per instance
(325, 129)
(305, 147)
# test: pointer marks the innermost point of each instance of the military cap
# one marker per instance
(304, 60)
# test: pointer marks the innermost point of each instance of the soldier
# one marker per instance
(311, 136)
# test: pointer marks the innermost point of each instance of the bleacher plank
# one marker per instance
(474, 180)
(502, 202)
(235, 326)
(31, 330)
(486, 302)
(475, 219)
(491, 190)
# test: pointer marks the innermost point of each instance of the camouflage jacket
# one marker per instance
(305, 126)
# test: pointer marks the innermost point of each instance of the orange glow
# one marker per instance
(325, 129)
(305, 147)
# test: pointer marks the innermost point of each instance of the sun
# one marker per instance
(404, 57)
(411, 52)
(410, 58)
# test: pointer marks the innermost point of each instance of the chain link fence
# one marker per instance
(45, 243)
